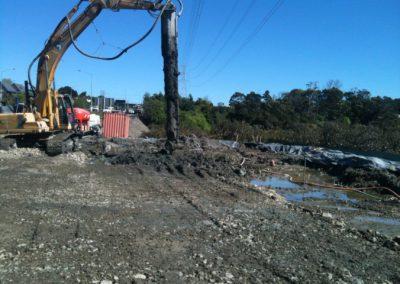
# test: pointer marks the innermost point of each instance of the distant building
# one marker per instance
(104, 104)
(95, 104)
(19, 88)
(109, 104)
(10, 88)
(120, 105)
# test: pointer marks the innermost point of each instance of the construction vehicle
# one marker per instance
(46, 119)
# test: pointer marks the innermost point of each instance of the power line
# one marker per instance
(218, 36)
(197, 12)
(103, 42)
(230, 37)
(255, 32)
(98, 33)
(183, 81)
(75, 45)
(123, 51)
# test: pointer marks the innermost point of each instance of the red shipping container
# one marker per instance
(116, 125)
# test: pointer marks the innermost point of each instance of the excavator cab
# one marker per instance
(67, 118)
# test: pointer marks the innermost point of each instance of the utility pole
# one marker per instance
(171, 72)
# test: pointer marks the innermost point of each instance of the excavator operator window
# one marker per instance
(62, 108)
(70, 110)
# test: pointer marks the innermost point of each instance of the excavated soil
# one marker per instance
(126, 212)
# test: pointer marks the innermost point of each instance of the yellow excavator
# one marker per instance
(47, 117)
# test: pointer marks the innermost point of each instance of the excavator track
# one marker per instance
(60, 144)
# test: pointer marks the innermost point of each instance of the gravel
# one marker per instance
(132, 214)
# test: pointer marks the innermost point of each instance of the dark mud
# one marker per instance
(125, 212)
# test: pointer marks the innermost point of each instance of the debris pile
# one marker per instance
(350, 169)
(328, 158)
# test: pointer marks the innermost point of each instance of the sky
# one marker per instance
(354, 41)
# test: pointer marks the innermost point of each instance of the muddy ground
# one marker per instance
(125, 212)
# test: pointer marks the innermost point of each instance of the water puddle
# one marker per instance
(296, 193)
(334, 200)
(339, 208)
(276, 183)
(374, 219)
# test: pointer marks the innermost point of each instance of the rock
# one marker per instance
(357, 281)
(229, 275)
(241, 172)
(327, 215)
(346, 273)
(339, 223)
(7, 144)
(392, 245)
(140, 276)
(180, 169)
(106, 282)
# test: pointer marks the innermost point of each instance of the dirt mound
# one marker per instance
(137, 128)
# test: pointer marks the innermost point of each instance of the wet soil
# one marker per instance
(125, 212)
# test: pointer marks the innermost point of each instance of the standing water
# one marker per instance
(331, 199)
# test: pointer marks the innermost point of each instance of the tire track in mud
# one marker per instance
(219, 185)
(204, 213)
(197, 207)
(209, 185)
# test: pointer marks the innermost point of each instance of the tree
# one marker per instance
(187, 104)
(266, 97)
(237, 99)
(195, 120)
(322, 117)
(12, 99)
(7, 81)
(67, 90)
(82, 101)
(331, 104)
(154, 109)
(333, 84)
(313, 85)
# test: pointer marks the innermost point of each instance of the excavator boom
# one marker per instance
(46, 118)
(46, 96)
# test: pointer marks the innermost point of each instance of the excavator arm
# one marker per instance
(46, 97)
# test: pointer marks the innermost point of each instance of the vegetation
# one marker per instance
(81, 100)
(13, 99)
(329, 117)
